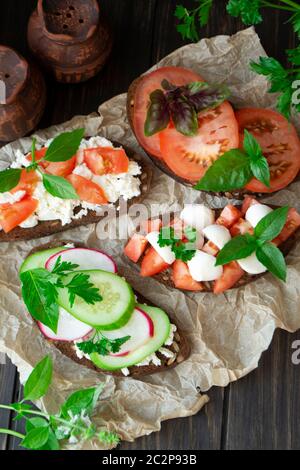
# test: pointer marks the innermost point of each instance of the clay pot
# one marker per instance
(69, 38)
(22, 97)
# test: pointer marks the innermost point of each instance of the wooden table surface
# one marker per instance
(262, 410)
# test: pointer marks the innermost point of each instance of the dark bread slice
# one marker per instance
(46, 228)
(165, 277)
(160, 164)
(180, 345)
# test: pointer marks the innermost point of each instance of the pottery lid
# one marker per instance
(69, 20)
(14, 70)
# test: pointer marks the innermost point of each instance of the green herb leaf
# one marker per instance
(104, 346)
(167, 237)
(39, 291)
(230, 172)
(261, 171)
(248, 10)
(64, 146)
(109, 438)
(39, 380)
(204, 96)
(59, 187)
(204, 11)
(80, 286)
(9, 179)
(296, 23)
(239, 247)
(272, 258)
(158, 115)
(182, 250)
(272, 224)
(251, 145)
(82, 400)
(21, 409)
(36, 438)
(63, 268)
(52, 442)
(191, 234)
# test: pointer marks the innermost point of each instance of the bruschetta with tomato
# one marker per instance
(206, 250)
(191, 132)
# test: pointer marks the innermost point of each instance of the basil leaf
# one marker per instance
(82, 400)
(272, 224)
(207, 96)
(52, 442)
(64, 146)
(272, 258)
(9, 179)
(251, 146)
(238, 248)
(39, 380)
(231, 171)
(40, 296)
(158, 116)
(261, 171)
(59, 187)
(36, 438)
(184, 116)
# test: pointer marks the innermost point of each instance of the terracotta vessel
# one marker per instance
(70, 38)
(22, 97)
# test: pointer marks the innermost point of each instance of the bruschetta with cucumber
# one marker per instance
(65, 182)
(86, 309)
(191, 132)
(206, 250)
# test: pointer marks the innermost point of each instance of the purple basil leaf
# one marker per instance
(158, 116)
(166, 85)
(208, 97)
(184, 116)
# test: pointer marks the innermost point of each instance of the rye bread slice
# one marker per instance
(160, 164)
(165, 277)
(49, 227)
(180, 346)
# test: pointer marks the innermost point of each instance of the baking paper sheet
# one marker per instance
(228, 333)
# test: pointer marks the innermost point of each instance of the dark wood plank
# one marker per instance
(8, 375)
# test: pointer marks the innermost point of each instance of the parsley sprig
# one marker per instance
(102, 345)
(235, 168)
(260, 243)
(183, 249)
(61, 149)
(283, 80)
(40, 289)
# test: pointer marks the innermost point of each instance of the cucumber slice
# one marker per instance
(162, 328)
(39, 259)
(112, 312)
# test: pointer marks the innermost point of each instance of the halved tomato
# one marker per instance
(28, 182)
(229, 215)
(87, 190)
(55, 168)
(190, 157)
(136, 247)
(292, 224)
(232, 273)
(13, 215)
(152, 263)
(183, 279)
(104, 160)
(146, 85)
(280, 144)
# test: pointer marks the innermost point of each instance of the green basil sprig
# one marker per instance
(61, 149)
(182, 105)
(268, 254)
(235, 168)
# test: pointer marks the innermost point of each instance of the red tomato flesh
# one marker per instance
(152, 263)
(87, 190)
(229, 215)
(136, 247)
(292, 224)
(13, 215)
(182, 278)
(280, 144)
(28, 182)
(248, 202)
(104, 160)
(54, 168)
(232, 273)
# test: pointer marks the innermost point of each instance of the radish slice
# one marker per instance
(69, 328)
(87, 259)
(140, 328)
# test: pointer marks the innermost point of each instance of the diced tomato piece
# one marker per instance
(229, 215)
(292, 224)
(15, 214)
(248, 202)
(210, 248)
(183, 279)
(28, 182)
(241, 227)
(87, 190)
(149, 226)
(39, 154)
(104, 160)
(136, 247)
(231, 275)
(54, 168)
(152, 263)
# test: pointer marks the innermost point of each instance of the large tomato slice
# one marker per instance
(190, 157)
(182, 278)
(28, 182)
(152, 263)
(87, 190)
(280, 144)
(55, 168)
(104, 160)
(147, 84)
(13, 215)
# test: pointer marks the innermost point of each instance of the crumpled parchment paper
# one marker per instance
(228, 333)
